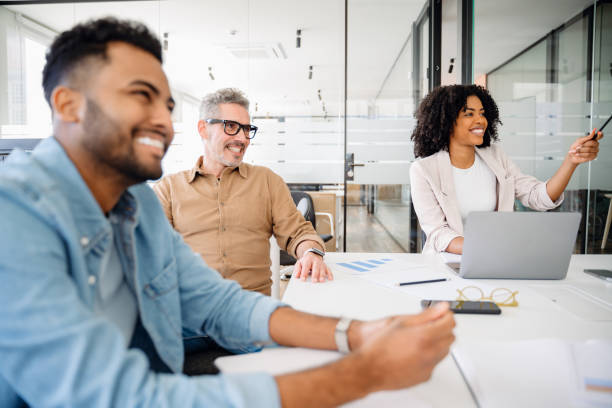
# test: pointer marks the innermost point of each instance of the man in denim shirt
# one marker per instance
(97, 289)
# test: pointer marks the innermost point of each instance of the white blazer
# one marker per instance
(435, 201)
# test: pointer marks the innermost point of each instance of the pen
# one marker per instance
(601, 128)
(423, 281)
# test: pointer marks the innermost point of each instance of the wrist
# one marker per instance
(356, 370)
(355, 338)
(314, 251)
(569, 162)
(341, 335)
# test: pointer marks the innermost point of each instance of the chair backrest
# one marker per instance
(304, 204)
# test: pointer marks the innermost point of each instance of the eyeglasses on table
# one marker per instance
(499, 296)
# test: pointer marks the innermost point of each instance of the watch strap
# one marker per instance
(315, 251)
(341, 335)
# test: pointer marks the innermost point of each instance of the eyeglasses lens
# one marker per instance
(232, 128)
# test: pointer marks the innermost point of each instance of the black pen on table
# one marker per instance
(423, 281)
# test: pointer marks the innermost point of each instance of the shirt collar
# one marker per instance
(90, 221)
(198, 169)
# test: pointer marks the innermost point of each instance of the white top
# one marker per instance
(476, 188)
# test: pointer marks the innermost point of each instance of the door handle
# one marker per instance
(349, 166)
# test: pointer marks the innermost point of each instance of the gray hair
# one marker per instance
(209, 108)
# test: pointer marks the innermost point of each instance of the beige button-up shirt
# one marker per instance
(229, 220)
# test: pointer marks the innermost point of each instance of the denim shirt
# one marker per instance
(55, 351)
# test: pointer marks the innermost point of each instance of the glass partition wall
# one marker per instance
(549, 72)
(334, 86)
(293, 68)
(387, 56)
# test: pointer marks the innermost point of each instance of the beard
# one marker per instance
(228, 163)
(114, 148)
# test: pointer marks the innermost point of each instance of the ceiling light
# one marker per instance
(210, 74)
(298, 39)
(310, 72)
(250, 51)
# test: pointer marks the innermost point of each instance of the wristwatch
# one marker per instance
(341, 335)
(315, 251)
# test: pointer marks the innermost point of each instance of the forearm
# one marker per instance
(289, 327)
(559, 181)
(400, 351)
(455, 246)
(327, 386)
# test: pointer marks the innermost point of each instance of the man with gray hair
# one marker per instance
(226, 210)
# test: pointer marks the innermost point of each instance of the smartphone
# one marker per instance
(466, 306)
(605, 274)
(601, 128)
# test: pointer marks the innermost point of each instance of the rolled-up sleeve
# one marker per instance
(530, 191)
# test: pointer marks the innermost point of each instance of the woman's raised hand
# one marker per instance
(585, 149)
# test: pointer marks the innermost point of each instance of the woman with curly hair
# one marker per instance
(460, 170)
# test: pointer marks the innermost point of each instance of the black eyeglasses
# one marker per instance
(231, 127)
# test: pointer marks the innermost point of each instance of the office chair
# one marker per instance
(304, 204)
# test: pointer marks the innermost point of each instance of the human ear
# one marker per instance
(67, 104)
(202, 129)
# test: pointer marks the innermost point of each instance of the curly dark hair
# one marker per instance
(438, 112)
(71, 48)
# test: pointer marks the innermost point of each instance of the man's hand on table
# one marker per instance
(313, 264)
(386, 354)
(402, 351)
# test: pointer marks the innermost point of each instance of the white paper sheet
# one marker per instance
(280, 360)
(392, 272)
(543, 372)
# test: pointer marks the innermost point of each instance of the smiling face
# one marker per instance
(127, 125)
(471, 124)
(220, 149)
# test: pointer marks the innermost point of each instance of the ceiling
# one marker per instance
(201, 32)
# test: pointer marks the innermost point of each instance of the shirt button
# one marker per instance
(91, 280)
(84, 241)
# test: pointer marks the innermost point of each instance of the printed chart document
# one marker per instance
(388, 272)
(538, 373)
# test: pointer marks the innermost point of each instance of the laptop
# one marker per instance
(518, 245)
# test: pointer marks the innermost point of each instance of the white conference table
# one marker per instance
(575, 309)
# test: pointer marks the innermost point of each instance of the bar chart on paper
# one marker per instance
(430, 282)
(364, 265)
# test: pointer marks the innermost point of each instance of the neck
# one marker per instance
(462, 156)
(105, 184)
(213, 167)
